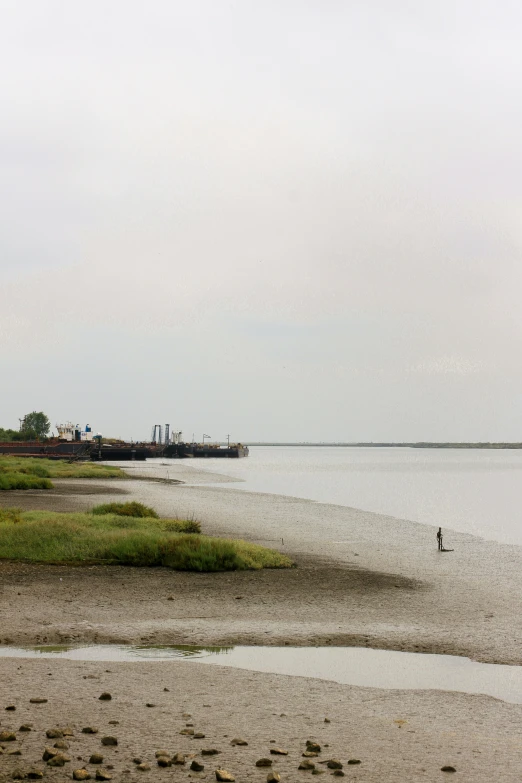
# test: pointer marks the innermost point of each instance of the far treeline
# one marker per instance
(35, 425)
(420, 445)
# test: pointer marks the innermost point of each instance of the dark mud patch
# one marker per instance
(60, 498)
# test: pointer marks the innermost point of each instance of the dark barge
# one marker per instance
(55, 448)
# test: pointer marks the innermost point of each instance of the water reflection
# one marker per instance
(347, 665)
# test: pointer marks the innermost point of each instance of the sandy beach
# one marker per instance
(361, 579)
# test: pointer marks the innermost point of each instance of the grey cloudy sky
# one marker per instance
(288, 219)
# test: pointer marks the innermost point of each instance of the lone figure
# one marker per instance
(439, 538)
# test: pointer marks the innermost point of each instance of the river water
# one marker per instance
(474, 491)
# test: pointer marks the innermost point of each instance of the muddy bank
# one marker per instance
(362, 579)
(395, 735)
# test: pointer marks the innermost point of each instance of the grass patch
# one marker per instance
(30, 473)
(23, 481)
(132, 509)
(50, 537)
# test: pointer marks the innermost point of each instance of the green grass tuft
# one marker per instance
(34, 473)
(50, 537)
(132, 509)
(23, 481)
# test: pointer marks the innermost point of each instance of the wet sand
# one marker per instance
(397, 735)
(362, 579)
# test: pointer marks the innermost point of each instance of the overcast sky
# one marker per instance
(278, 219)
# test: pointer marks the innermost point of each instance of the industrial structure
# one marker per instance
(73, 443)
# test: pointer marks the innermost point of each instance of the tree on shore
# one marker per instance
(35, 425)
(9, 435)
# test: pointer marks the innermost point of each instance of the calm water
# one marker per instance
(474, 491)
(349, 665)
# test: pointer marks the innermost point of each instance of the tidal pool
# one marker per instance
(348, 665)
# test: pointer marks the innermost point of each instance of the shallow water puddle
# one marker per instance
(348, 665)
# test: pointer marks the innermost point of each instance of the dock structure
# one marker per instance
(95, 450)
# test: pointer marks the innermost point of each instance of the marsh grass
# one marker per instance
(131, 509)
(50, 537)
(30, 473)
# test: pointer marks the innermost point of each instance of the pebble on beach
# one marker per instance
(109, 741)
(81, 774)
(223, 775)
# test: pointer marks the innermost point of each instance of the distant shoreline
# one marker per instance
(420, 445)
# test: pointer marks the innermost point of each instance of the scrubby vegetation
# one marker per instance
(132, 509)
(49, 537)
(35, 473)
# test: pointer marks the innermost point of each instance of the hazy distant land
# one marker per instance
(420, 445)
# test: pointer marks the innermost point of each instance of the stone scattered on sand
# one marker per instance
(109, 741)
(186, 715)
(164, 761)
(306, 765)
(273, 777)
(150, 704)
(178, 758)
(7, 736)
(278, 752)
(96, 758)
(209, 752)
(81, 774)
(102, 774)
(58, 760)
(166, 690)
(238, 741)
(264, 762)
(354, 761)
(334, 764)
(143, 767)
(187, 732)
(15, 752)
(18, 774)
(67, 731)
(26, 727)
(310, 754)
(105, 696)
(10, 708)
(37, 700)
(327, 720)
(313, 746)
(196, 766)
(448, 768)
(223, 775)
(61, 745)
(34, 774)
(49, 753)
(158, 754)
(318, 772)
(54, 734)
(338, 773)
(89, 730)
(114, 722)
(199, 735)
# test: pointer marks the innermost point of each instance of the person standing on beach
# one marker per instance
(439, 538)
